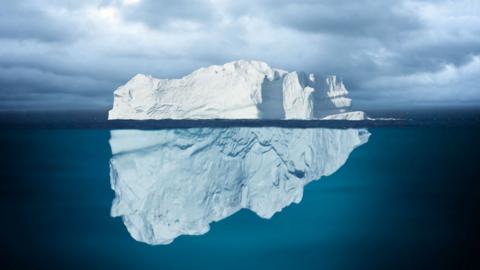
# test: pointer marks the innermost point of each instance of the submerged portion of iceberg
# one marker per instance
(176, 182)
(236, 90)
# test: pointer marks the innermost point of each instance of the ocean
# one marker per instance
(407, 199)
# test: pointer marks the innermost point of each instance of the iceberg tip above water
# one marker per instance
(236, 90)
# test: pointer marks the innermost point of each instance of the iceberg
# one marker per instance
(236, 90)
(175, 182)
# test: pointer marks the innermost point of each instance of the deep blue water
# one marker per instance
(408, 199)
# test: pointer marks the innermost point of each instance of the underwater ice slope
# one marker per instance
(176, 182)
(237, 90)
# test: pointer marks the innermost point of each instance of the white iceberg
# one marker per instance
(176, 182)
(236, 90)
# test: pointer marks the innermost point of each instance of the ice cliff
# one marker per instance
(236, 90)
(176, 182)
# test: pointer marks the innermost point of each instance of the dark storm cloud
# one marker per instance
(158, 14)
(28, 20)
(434, 56)
(72, 54)
(342, 17)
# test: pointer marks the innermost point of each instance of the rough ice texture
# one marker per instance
(356, 115)
(169, 183)
(236, 90)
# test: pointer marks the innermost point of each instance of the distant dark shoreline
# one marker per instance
(98, 120)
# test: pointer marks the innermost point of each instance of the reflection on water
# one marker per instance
(176, 182)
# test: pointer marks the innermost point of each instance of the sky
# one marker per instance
(61, 54)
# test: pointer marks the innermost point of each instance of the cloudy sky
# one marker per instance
(61, 54)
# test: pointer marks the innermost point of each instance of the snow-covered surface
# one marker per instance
(176, 182)
(236, 90)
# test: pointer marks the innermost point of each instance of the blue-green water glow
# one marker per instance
(409, 198)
